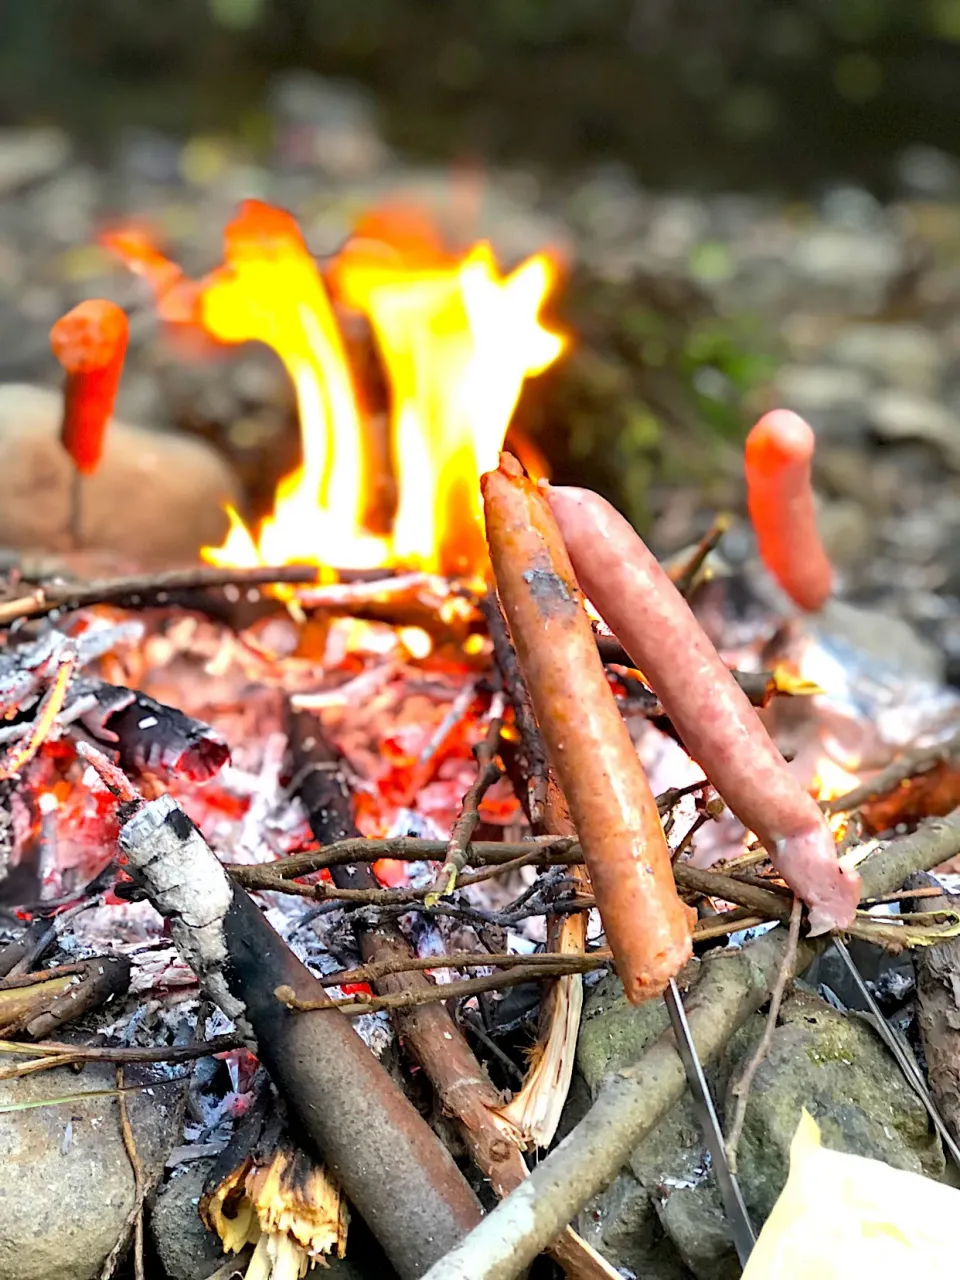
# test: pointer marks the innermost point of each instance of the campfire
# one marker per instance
(376, 766)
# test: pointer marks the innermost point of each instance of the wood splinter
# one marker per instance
(612, 805)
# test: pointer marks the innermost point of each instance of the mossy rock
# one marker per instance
(665, 1208)
(836, 1067)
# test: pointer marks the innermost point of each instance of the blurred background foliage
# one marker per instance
(795, 98)
(760, 93)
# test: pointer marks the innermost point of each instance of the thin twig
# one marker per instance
(266, 878)
(371, 973)
(685, 577)
(134, 1219)
(51, 706)
(138, 588)
(362, 1003)
(489, 773)
(908, 765)
(533, 756)
(124, 1053)
(552, 850)
(35, 1065)
(741, 1089)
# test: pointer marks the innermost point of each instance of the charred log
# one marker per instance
(386, 1157)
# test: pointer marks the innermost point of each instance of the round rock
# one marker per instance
(187, 1249)
(67, 1187)
(157, 496)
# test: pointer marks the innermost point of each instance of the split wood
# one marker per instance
(731, 986)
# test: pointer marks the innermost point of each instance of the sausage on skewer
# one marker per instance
(710, 712)
(612, 805)
(777, 460)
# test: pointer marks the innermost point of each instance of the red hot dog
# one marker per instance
(777, 460)
(90, 343)
(610, 800)
(718, 725)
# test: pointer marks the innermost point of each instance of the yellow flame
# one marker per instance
(457, 339)
(457, 342)
(269, 290)
(829, 781)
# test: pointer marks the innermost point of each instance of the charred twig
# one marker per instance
(908, 765)
(470, 960)
(685, 576)
(732, 986)
(362, 1003)
(141, 590)
(741, 1089)
(532, 756)
(712, 811)
(385, 1155)
(50, 707)
(125, 1053)
(489, 772)
(151, 737)
(761, 687)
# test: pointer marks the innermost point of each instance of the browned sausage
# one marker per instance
(777, 461)
(710, 712)
(611, 803)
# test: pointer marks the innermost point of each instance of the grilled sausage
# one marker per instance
(712, 715)
(610, 800)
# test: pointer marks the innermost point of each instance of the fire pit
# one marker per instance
(251, 808)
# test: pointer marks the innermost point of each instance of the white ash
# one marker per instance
(189, 886)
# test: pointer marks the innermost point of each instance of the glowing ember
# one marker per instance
(457, 341)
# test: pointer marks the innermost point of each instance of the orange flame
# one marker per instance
(457, 340)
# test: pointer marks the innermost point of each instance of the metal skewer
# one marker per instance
(904, 1060)
(740, 1225)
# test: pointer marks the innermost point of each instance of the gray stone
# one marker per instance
(67, 1186)
(330, 124)
(156, 497)
(927, 171)
(875, 646)
(835, 1066)
(853, 267)
(832, 399)
(623, 1225)
(900, 355)
(904, 415)
(848, 532)
(187, 1249)
(663, 1216)
(30, 155)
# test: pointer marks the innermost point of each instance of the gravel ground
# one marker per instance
(851, 310)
